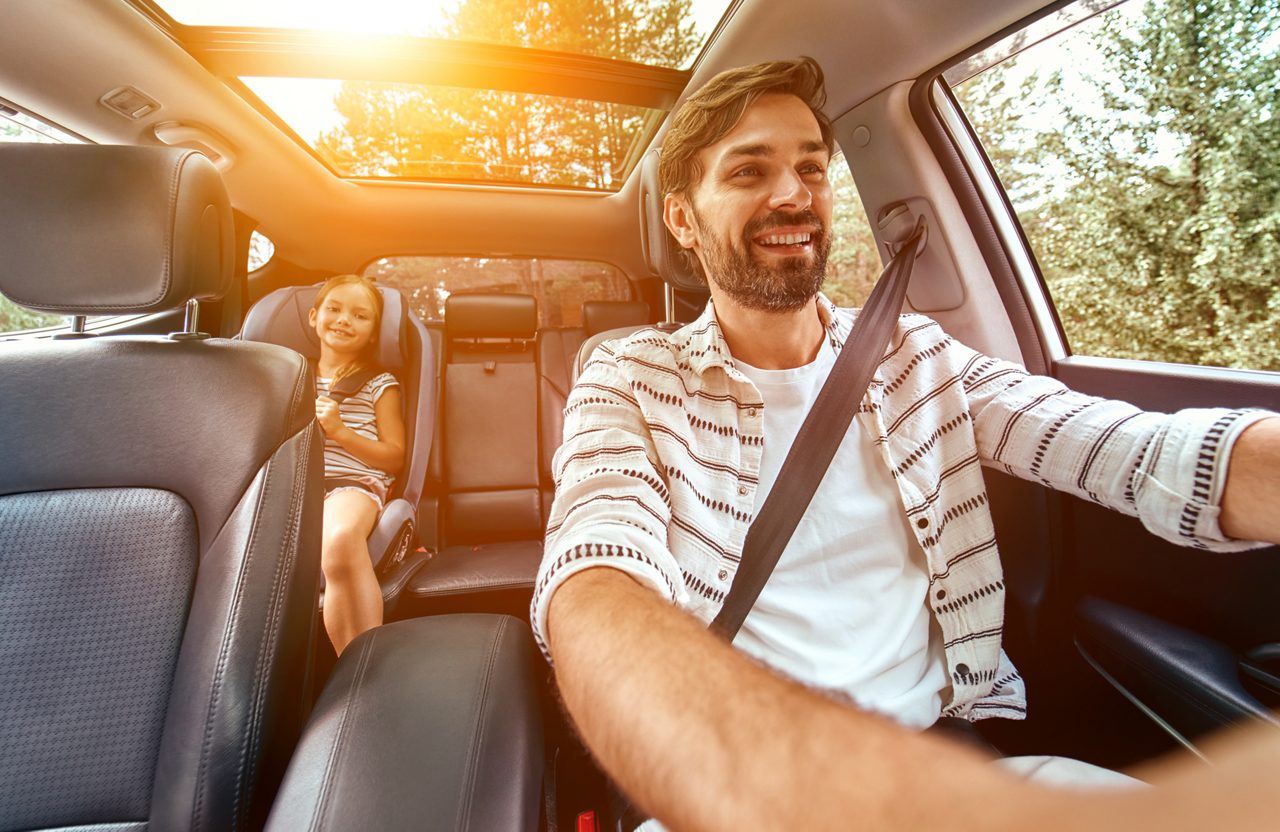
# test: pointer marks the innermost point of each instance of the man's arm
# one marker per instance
(1251, 495)
(705, 739)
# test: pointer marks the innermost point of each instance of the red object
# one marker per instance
(587, 822)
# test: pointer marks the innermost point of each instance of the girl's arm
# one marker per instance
(385, 453)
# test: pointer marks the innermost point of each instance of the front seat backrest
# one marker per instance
(159, 510)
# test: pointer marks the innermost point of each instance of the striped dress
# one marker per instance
(357, 413)
(663, 438)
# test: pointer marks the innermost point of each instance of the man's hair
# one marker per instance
(715, 109)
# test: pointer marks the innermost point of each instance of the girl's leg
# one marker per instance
(352, 597)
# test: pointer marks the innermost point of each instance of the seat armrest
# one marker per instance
(394, 580)
(393, 537)
(428, 724)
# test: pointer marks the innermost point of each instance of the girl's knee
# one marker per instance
(344, 549)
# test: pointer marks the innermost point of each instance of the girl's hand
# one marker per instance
(327, 415)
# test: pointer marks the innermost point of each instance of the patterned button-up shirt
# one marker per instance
(658, 473)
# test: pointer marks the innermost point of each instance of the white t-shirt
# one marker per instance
(844, 609)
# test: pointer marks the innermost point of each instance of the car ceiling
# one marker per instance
(61, 56)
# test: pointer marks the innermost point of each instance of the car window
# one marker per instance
(560, 286)
(854, 261)
(1141, 150)
(261, 250)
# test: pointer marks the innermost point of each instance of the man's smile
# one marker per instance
(787, 242)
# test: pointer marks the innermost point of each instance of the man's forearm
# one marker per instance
(705, 739)
(1251, 495)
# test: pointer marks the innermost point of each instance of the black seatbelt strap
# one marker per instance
(347, 386)
(821, 434)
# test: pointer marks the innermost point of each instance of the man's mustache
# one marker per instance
(784, 219)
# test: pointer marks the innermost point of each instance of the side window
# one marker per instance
(559, 285)
(16, 126)
(1140, 148)
(853, 263)
(261, 250)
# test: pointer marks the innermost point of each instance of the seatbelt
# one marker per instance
(821, 434)
(810, 455)
(347, 386)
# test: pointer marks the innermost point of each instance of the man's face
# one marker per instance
(759, 217)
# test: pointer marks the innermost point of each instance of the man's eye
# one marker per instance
(809, 170)
(744, 172)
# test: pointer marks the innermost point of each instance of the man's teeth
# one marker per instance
(785, 239)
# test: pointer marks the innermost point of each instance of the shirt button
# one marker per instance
(752, 413)
(923, 523)
(942, 593)
(722, 574)
(742, 491)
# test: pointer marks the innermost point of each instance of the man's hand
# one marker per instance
(1251, 495)
(328, 416)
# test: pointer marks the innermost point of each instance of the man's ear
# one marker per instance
(677, 213)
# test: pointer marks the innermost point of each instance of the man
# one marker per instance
(889, 593)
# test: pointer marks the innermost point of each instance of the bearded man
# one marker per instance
(886, 607)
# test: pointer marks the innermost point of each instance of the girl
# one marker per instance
(364, 449)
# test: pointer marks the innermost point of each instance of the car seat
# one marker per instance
(405, 350)
(159, 509)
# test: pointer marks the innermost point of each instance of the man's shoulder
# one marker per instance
(648, 347)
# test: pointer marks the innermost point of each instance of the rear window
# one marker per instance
(560, 286)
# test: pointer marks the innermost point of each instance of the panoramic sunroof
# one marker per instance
(370, 129)
(667, 33)
(555, 93)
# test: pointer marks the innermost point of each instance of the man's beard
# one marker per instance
(783, 287)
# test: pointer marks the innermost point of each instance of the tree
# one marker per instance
(1153, 210)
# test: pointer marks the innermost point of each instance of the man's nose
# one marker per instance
(790, 191)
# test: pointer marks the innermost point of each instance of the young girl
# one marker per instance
(364, 449)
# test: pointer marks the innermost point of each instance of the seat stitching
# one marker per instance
(223, 653)
(339, 742)
(471, 768)
(271, 634)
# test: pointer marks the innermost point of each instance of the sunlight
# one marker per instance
(385, 17)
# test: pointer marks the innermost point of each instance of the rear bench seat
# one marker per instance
(505, 387)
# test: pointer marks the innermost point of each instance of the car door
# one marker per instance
(1116, 164)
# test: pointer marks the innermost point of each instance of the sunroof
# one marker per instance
(370, 129)
(667, 33)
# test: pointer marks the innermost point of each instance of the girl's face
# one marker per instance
(345, 320)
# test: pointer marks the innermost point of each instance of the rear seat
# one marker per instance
(505, 387)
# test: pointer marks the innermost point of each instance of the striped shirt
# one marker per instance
(660, 463)
(356, 413)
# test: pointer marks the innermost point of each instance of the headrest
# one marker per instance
(661, 250)
(599, 315)
(281, 318)
(490, 315)
(111, 230)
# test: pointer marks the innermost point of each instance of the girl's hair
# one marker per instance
(365, 360)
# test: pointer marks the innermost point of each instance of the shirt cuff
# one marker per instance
(1178, 489)
(569, 557)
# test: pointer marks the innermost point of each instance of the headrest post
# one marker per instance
(190, 323)
(77, 324)
(668, 303)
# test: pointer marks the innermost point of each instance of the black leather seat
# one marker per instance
(159, 511)
(407, 351)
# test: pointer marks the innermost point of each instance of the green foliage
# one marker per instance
(454, 133)
(14, 318)
(854, 261)
(1154, 207)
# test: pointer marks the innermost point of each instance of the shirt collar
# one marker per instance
(702, 345)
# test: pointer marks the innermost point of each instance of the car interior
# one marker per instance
(176, 179)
